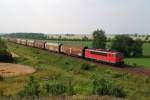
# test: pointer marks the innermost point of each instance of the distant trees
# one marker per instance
(85, 38)
(27, 35)
(125, 44)
(99, 39)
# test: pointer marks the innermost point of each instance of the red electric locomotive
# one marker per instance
(105, 56)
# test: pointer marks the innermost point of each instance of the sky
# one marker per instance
(75, 16)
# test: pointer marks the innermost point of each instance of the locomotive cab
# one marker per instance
(105, 56)
(118, 58)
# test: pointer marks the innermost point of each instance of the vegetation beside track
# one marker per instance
(5, 55)
(55, 68)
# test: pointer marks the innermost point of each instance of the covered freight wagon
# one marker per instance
(30, 43)
(55, 47)
(14, 40)
(23, 42)
(39, 44)
(73, 50)
(18, 41)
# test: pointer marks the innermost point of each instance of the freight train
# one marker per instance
(109, 57)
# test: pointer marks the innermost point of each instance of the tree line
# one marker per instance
(120, 43)
(40, 36)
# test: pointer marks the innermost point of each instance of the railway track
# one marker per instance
(138, 71)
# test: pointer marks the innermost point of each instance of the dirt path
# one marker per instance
(14, 55)
(10, 70)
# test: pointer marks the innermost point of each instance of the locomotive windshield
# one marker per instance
(119, 55)
(99, 53)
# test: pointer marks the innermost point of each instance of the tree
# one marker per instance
(127, 45)
(85, 38)
(99, 39)
(146, 38)
(3, 47)
(5, 55)
(137, 48)
(122, 43)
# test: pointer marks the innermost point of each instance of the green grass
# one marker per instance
(141, 61)
(58, 68)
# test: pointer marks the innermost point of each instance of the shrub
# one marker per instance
(86, 66)
(134, 65)
(55, 89)
(1, 78)
(31, 89)
(117, 92)
(70, 89)
(147, 79)
(103, 87)
(1, 93)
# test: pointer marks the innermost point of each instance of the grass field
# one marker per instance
(60, 69)
(140, 61)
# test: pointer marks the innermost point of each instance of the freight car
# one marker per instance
(18, 41)
(55, 47)
(23, 42)
(72, 50)
(12, 40)
(30, 43)
(104, 56)
(39, 44)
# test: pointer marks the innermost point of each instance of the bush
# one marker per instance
(5, 55)
(70, 89)
(1, 93)
(117, 92)
(1, 78)
(31, 89)
(147, 79)
(86, 66)
(55, 89)
(103, 87)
